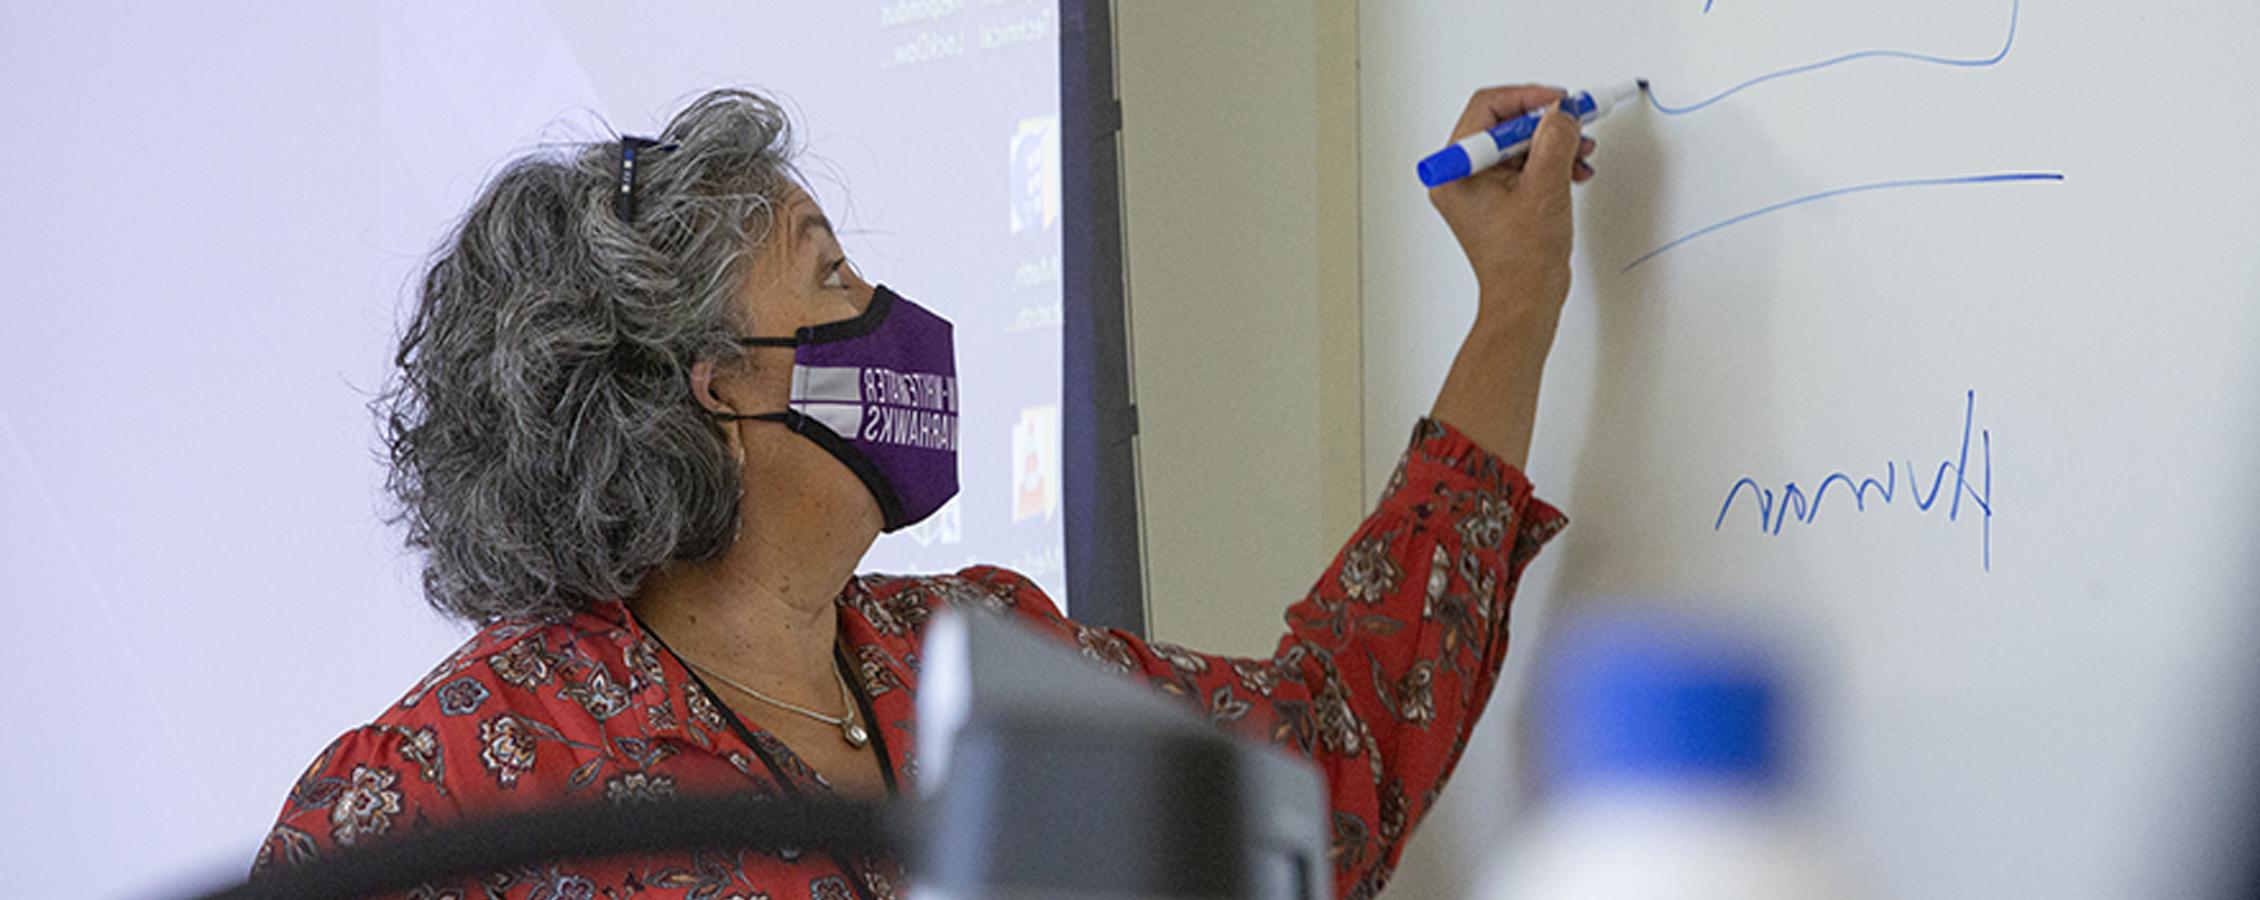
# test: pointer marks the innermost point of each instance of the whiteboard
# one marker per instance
(1922, 330)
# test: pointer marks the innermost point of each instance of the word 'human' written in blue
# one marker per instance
(1776, 509)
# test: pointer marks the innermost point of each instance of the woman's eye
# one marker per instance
(832, 273)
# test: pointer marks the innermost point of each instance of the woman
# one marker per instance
(603, 438)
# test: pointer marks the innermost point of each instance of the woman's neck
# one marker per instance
(764, 613)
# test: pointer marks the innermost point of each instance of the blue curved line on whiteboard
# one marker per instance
(1994, 60)
(2000, 178)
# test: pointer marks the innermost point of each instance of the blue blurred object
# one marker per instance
(1665, 698)
(1667, 747)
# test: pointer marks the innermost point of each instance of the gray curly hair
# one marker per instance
(546, 452)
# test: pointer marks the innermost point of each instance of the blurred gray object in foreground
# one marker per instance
(1047, 777)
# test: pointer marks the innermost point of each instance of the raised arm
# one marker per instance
(1387, 661)
(1513, 222)
(1393, 654)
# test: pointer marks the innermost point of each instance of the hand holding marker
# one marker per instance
(1511, 138)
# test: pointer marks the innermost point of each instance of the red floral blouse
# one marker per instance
(1379, 679)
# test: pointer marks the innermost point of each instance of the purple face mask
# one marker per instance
(879, 393)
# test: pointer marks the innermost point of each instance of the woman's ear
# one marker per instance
(702, 388)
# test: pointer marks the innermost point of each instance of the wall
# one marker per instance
(1242, 202)
(1240, 208)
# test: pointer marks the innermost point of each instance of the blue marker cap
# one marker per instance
(1444, 166)
(1663, 699)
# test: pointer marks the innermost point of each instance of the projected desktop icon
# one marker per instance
(1035, 463)
(1035, 175)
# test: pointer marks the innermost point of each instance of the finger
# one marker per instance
(1516, 162)
(1495, 178)
(1491, 106)
(1553, 152)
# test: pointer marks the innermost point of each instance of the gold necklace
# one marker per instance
(849, 730)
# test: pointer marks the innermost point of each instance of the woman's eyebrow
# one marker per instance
(813, 221)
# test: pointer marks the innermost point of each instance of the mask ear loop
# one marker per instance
(787, 418)
(791, 419)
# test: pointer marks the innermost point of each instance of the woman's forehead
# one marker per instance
(803, 217)
(800, 204)
(788, 229)
(797, 201)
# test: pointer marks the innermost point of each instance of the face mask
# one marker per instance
(879, 393)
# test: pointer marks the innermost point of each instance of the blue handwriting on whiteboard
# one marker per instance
(1958, 180)
(1792, 504)
(1969, 63)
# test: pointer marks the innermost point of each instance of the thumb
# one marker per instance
(1553, 151)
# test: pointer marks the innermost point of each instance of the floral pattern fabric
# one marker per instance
(1379, 679)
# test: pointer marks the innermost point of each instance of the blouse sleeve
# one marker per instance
(371, 781)
(1389, 659)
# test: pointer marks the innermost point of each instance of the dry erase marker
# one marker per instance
(1511, 138)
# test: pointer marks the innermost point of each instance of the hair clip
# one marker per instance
(624, 202)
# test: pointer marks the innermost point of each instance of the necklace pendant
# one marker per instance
(854, 734)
